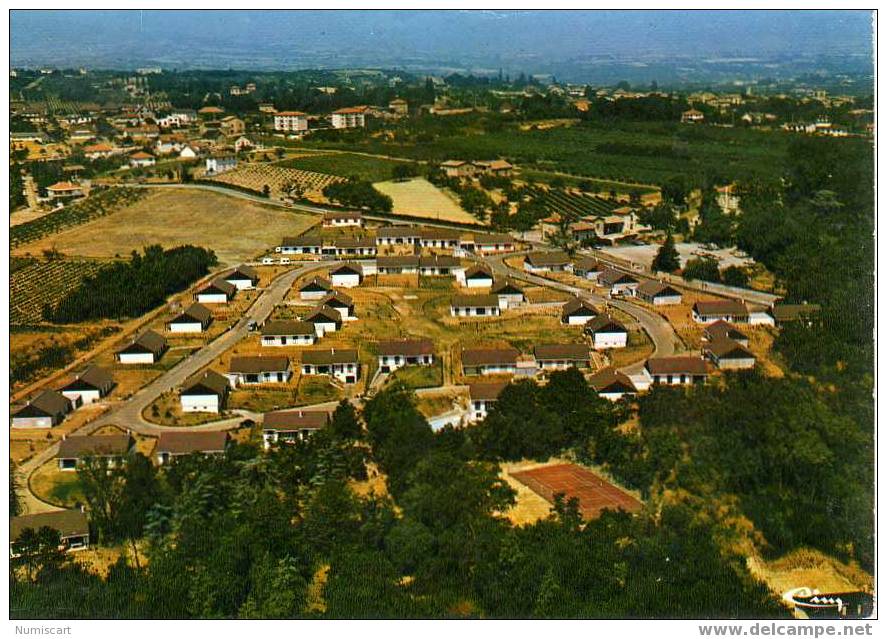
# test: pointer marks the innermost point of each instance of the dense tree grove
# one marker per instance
(358, 194)
(283, 535)
(128, 289)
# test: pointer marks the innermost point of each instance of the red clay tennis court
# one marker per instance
(594, 494)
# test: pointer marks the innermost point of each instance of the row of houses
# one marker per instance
(391, 236)
(50, 407)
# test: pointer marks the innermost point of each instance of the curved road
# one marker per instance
(128, 413)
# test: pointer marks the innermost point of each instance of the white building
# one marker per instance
(577, 312)
(347, 275)
(259, 369)
(89, 387)
(243, 277)
(288, 333)
(216, 164)
(216, 292)
(475, 306)
(606, 333)
(394, 354)
(147, 348)
(290, 121)
(195, 319)
(483, 395)
(204, 393)
(350, 118)
(475, 277)
(340, 363)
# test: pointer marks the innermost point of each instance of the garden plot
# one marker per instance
(420, 198)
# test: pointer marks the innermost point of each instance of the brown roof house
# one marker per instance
(290, 425)
(179, 444)
(72, 527)
(243, 277)
(679, 369)
(728, 354)
(147, 348)
(482, 396)
(475, 306)
(194, 319)
(394, 354)
(578, 312)
(547, 261)
(340, 363)
(605, 332)
(659, 293)
(562, 356)
(259, 369)
(489, 361)
(216, 292)
(89, 386)
(710, 311)
(204, 392)
(46, 410)
(288, 333)
(612, 384)
(111, 448)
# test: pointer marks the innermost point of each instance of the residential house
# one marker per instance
(89, 386)
(547, 261)
(494, 167)
(113, 449)
(147, 348)
(397, 235)
(259, 369)
(728, 198)
(140, 159)
(692, 116)
(325, 319)
(220, 162)
(231, 126)
(341, 363)
(64, 191)
(578, 312)
(72, 527)
(394, 354)
(342, 219)
(189, 152)
(288, 333)
(351, 247)
(176, 444)
(659, 293)
(243, 277)
(290, 121)
(194, 319)
(46, 410)
(475, 276)
(510, 294)
(397, 264)
(786, 313)
(562, 356)
(723, 330)
(204, 392)
(303, 245)
(486, 243)
(99, 150)
(216, 292)
(727, 354)
(489, 361)
(314, 289)
(612, 384)
(458, 168)
(475, 306)
(620, 284)
(431, 265)
(438, 238)
(287, 426)
(482, 396)
(605, 332)
(347, 275)
(709, 311)
(589, 268)
(675, 370)
(339, 302)
(349, 118)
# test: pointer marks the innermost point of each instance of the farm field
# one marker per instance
(37, 283)
(572, 205)
(78, 213)
(420, 198)
(255, 177)
(235, 229)
(370, 169)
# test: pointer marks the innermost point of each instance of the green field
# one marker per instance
(345, 165)
(419, 376)
(648, 153)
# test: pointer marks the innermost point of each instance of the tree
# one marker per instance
(344, 423)
(402, 172)
(704, 268)
(735, 276)
(15, 505)
(667, 259)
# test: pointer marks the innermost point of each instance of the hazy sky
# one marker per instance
(287, 39)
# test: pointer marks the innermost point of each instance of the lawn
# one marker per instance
(369, 169)
(420, 198)
(52, 485)
(419, 376)
(234, 228)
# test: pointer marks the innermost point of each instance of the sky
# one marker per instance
(535, 40)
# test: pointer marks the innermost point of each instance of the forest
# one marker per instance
(129, 289)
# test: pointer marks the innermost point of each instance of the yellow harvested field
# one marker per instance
(810, 568)
(234, 228)
(420, 198)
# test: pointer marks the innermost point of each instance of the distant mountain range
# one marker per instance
(574, 45)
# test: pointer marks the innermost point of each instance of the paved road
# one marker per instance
(665, 340)
(128, 413)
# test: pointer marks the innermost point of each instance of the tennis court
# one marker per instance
(594, 493)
